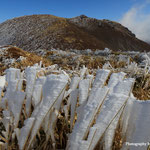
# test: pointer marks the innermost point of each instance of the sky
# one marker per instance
(137, 19)
(126, 12)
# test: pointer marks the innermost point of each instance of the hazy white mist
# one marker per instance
(138, 22)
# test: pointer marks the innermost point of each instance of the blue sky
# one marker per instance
(101, 9)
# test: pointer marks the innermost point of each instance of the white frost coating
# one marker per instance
(100, 79)
(37, 95)
(138, 130)
(52, 89)
(74, 96)
(12, 87)
(86, 118)
(68, 106)
(2, 81)
(73, 85)
(3, 103)
(30, 77)
(7, 121)
(16, 100)
(46, 122)
(53, 118)
(110, 109)
(124, 87)
(37, 91)
(65, 109)
(108, 112)
(85, 144)
(12, 74)
(114, 78)
(110, 132)
(1, 93)
(112, 105)
(90, 77)
(20, 84)
(66, 75)
(51, 84)
(17, 132)
(7, 115)
(102, 105)
(84, 86)
(25, 131)
(50, 129)
(40, 81)
(126, 114)
(82, 72)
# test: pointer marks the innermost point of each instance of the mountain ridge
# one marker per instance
(81, 32)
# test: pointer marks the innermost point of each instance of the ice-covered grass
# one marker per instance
(2, 81)
(51, 108)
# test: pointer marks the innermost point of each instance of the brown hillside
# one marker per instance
(47, 32)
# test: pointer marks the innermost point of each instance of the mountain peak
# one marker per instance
(81, 32)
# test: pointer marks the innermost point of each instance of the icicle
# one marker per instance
(24, 133)
(82, 72)
(110, 132)
(12, 74)
(30, 77)
(100, 79)
(126, 115)
(11, 89)
(52, 89)
(83, 90)
(2, 81)
(74, 96)
(50, 129)
(16, 99)
(90, 77)
(7, 122)
(37, 91)
(111, 108)
(0, 93)
(115, 78)
(86, 118)
(138, 127)
(17, 132)
(73, 85)
(20, 84)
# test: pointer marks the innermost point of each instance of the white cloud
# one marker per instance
(138, 21)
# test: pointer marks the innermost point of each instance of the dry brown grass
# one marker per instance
(118, 139)
(141, 88)
(91, 62)
(2, 69)
(16, 52)
(30, 59)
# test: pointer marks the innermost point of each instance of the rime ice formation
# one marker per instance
(2, 81)
(93, 105)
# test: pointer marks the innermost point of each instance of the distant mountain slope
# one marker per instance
(47, 31)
